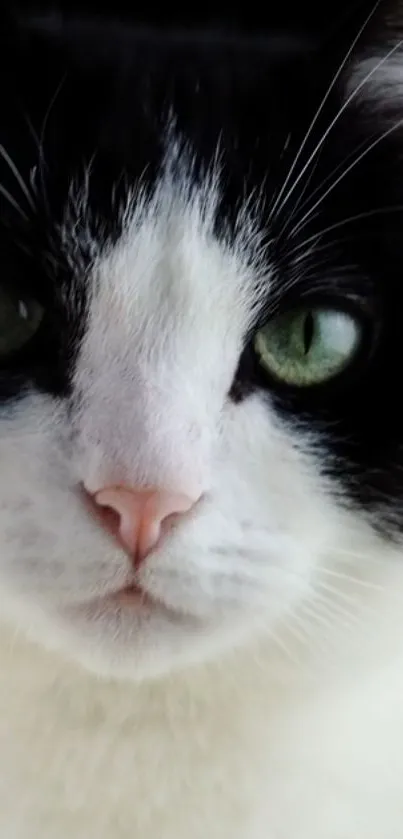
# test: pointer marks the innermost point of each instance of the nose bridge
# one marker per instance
(142, 434)
(149, 396)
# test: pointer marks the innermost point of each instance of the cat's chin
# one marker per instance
(130, 634)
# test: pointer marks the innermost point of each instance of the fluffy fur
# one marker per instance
(259, 695)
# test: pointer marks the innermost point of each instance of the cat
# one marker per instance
(201, 445)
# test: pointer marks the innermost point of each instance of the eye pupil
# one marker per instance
(309, 328)
(22, 310)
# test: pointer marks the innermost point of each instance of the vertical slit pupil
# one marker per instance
(309, 328)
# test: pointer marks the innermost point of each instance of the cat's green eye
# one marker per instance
(308, 346)
(20, 318)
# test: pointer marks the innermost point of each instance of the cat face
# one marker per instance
(200, 293)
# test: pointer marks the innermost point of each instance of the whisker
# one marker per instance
(284, 648)
(42, 162)
(336, 616)
(316, 117)
(397, 208)
(32, 130)
(369, 558)
(335, 120)
(13, 202)
(310, 619)
(335, 592)
(350, 619)
(343, 577)
(360, 583)
(332, 619)
(20, 180)
(352, 165)
(293, 622)
(328, 178)
(298, 202)
(323, 618)
(305, 634)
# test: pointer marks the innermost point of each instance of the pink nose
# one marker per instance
(138, 518)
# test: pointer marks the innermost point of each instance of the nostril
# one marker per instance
(137, 518)
(109, 518)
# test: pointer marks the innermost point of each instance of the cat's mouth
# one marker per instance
(132, 595)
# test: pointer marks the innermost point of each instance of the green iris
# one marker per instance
(308, 346)
(20, 318)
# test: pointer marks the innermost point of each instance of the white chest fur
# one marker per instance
(218, 753)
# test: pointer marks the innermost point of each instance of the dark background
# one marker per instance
(321, 18)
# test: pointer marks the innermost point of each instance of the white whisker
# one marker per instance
(41, 139)
(360, 583)
(361, 156)
(13, 202)
(316, 117)
(20, 180)
(352, 165)
(327, 615)
(324, 618)
(32, 130)
(284, 648)
(363, 555)
(304, 633)
(336, 592)
(298, 202)
(307, 620)
(398, 208)
(340, 612)
(327, 179)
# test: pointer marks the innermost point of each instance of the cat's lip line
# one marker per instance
(134, 596)
(132, 593)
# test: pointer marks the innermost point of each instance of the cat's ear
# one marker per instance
(374, 73)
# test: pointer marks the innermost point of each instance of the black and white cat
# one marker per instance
(201, 427)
